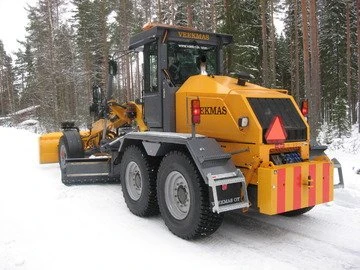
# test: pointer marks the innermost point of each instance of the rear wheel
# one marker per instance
(70, 146)
(184, 198)
(138, 182)
(297, 212)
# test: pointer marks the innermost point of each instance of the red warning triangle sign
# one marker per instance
(276, 132)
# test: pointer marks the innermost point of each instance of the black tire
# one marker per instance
(141, 198)
(198, 220)
(70, 146)
(297, 212)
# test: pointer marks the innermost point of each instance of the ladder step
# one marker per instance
(215, 180)
(223, 175)
(230, 207)
(226, 181)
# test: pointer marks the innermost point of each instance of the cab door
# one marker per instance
(152, 96)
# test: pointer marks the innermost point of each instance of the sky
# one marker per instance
(13, 19)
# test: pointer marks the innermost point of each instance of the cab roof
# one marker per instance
(179, 34)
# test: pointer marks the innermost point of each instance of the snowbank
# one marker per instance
(46, 225)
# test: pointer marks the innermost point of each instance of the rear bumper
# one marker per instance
(293, 186)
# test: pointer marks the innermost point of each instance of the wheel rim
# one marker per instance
(63, 155)
(133, 180)
(177, 195)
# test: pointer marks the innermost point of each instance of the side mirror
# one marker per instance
(112, 67)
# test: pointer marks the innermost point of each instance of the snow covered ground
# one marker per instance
(46, 225)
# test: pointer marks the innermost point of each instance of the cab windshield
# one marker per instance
(184, 60)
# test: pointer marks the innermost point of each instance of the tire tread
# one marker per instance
(209, 221)
(151, 207)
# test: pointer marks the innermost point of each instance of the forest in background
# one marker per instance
(67, 45)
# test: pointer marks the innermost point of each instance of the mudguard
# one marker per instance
(227, 183)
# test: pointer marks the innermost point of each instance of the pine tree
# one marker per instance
(292, 39)
(25, 76)
(283, 65)
(7, 91)
(315, 80)
(333, 63)
(265, 54)
(92, 48)
(358, 59)
(242, 19)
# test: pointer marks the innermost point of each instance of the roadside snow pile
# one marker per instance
(347, 144)
(347, 150)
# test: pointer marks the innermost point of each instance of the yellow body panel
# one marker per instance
(223, 94)
(222, 103)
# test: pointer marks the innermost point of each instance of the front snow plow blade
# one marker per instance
(48, 147)
(286, 188)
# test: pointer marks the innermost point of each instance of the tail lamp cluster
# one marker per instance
(305, 107)
(195, 111)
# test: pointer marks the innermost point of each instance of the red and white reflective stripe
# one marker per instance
(312, 185)
(281, 177)
(326, 182)
(297, 188)
(298, 192)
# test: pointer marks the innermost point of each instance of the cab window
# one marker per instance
(151, 68)
(184, 60)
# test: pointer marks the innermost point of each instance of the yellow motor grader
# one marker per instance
(199, 143)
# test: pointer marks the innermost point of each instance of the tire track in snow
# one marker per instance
(293, 242)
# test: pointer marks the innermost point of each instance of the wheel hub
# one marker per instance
(133, 180)
(182, 194)
(177, 196)
(137, 180)
(62, 155)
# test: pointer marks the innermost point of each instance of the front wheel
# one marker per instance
(70, 146)
(184, 198)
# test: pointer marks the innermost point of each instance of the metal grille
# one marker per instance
(267, 108)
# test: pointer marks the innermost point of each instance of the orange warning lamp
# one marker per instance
(276, 132)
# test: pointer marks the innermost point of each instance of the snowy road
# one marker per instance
(46, 225)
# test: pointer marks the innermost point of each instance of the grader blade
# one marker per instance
(48, 147)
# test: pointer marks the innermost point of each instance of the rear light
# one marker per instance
(305, 107)
(276, 133)
(195, 111)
